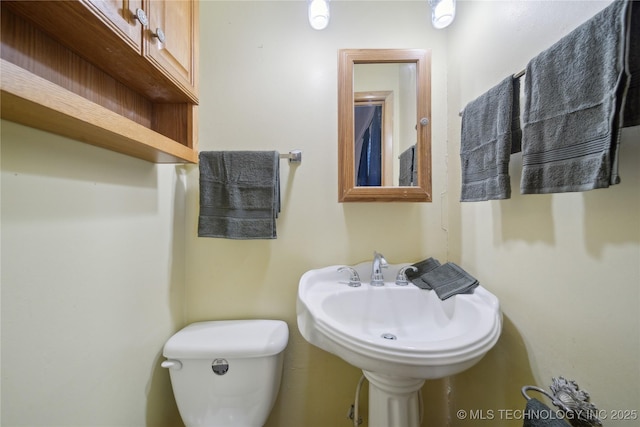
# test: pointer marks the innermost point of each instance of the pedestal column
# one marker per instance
(393, 401)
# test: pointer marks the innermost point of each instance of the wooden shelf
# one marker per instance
(34, 101)
(47, 84)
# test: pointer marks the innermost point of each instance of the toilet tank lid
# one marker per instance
(228, 338)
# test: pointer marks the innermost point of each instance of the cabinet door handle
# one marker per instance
(141, 16)
(159, 34)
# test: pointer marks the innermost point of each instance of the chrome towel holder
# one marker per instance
(568, 397)
(294, 156)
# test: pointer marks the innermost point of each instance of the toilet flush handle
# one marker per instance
(171, 364)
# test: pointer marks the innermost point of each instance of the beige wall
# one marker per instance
(269, 82)
(92, 283)
(566, 267)
(101, 263)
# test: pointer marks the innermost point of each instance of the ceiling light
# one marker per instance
(442, 12)
(319, 14)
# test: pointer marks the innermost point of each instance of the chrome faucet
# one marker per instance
(376, 269)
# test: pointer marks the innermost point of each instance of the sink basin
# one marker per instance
(396, 330)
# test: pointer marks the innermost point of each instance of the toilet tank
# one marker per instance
(226, 373)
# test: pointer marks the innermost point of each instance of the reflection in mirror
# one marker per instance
(373, 121)
(395, 157)
(384, 151)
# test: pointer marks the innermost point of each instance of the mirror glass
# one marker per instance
(384, 131)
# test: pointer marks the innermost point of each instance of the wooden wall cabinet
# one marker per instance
(174, 55)
(120, 17)
(92, 71)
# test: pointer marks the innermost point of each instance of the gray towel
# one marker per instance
(239, 194)
(446, 280)
(407, 166)
(423, 267)
(537, 414)
(632, 104)
(576, 92)
(449, 279)
(490, 134)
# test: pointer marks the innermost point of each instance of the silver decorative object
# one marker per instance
(574, 402)
(568, 397)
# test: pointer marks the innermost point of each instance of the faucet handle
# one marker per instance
(354, 277)
(401, 278)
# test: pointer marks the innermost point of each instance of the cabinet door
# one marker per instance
(120, 17)
(170, 41)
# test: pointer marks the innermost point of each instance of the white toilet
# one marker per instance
(226, 373)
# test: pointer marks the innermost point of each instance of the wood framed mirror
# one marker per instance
(384, 131)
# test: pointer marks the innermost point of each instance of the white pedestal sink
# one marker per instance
(398, 335)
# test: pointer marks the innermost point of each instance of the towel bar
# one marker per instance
(294, 156)
(520, 73)
(568, 397)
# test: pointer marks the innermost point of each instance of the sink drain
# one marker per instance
(389, 336)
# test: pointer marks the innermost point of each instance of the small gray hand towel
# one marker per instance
(537, 414)
(449, 279)
(577, 97)
(407, 166)
(239, 194)
(490, 134)
(423, 267)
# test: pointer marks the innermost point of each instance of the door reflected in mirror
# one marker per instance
(383, 119)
